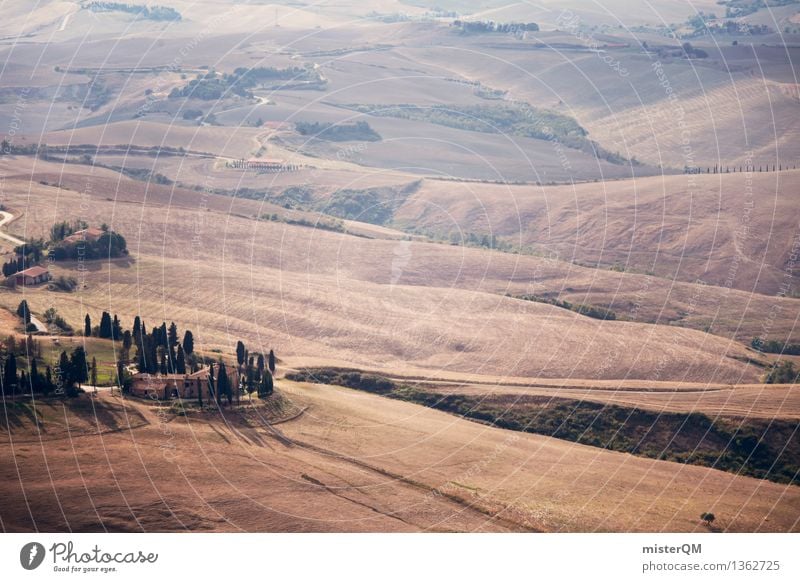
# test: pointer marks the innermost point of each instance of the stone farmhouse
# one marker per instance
(32, 276)
(173, 386)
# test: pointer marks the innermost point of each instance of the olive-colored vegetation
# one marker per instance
(212, 86)
(358, 131)
(582, 308)
(512, 119)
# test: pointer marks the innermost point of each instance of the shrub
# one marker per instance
(63, 283)
(782, 372)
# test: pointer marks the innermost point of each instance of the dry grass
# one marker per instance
(706, 227)
(306, 292)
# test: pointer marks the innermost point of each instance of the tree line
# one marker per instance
(254, 373)
(22, 371)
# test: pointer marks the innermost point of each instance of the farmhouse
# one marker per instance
(32, 276)
(87, 234)
(169, 386)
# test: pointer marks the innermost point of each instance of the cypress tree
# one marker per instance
(188, 343)
(152, 356)
(172, 360)
(93, 373)
(163, 361)
(240, 352)
(64, 373)
(180, 364)
(127, 342)
(79, 365)
(260, 364)
(116, 328)
(36, 384)
(212, 389)
(24, 312)
(137, 329)
(10, 374)
(172, 335)
(272, 362)
(120, 374)
(223, 384)
(105, 326)
(142, 361)
(87, 326)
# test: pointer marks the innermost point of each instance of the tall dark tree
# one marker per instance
(188, 343)
(64, 372)
(260, 364)
(79, 365)
(106, 327)
(250, 376)
(116, 328)
(152, 355)
(223, 384)
(87, 326)
(162, 359)
(265, 387)
(93, 373)
(212, 388)
(172, 360)
(127, 342)
(36, 381)
(120, 374)
(172, 335)
(272, 362)
(241, 352)
(162, 335)
(137, 330)
(180, 361)
(10, 374)
(24, 312)
(141, 360)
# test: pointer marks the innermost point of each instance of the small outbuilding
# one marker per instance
(32, 276)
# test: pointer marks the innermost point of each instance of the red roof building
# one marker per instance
(32, 276)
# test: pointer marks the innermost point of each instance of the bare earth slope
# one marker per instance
(351, 462)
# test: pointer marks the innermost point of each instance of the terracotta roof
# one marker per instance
(91, 233)
(33, 271)
(202, 373)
